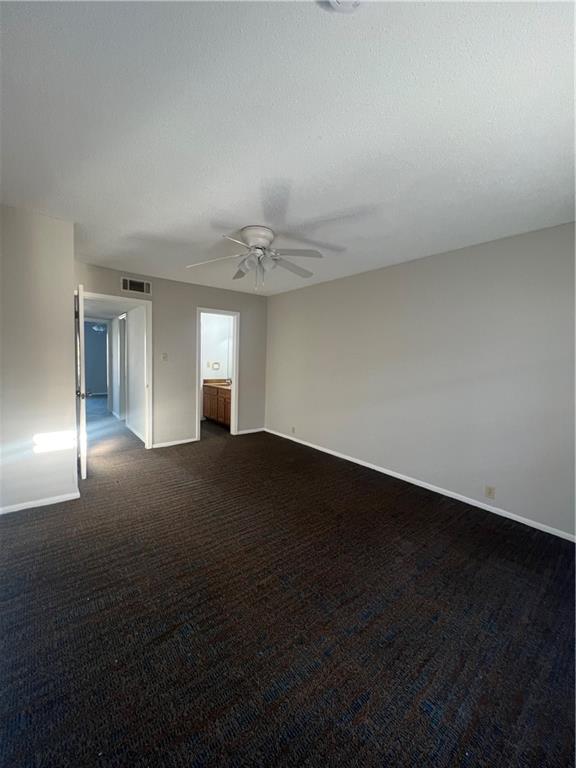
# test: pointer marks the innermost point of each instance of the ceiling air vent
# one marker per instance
(136, 286)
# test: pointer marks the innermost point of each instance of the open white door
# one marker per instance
(81, 440)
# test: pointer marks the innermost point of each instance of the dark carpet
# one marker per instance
(245, 601)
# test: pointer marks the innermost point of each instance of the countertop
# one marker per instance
(217, 384)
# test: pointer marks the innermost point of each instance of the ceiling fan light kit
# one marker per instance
(261, 257)
(256, 236)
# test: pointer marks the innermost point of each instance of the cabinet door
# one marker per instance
(227, 411)
(209, 402)
(221, 417)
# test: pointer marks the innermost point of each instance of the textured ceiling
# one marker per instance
(104, 309)
(157, 127)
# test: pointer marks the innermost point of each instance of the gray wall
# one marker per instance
(174, 334)
(95, 356)
(37, 364)
(456, 370)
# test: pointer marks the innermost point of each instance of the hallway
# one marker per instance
(106, 434)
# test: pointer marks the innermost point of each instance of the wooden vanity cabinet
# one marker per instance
(210, 404)
(217, 397)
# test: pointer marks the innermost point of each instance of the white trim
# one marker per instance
(250, 431)
(109, 393)
(430, 487)
(82, 435)
(175, 442)
(195, 439)
(234, 394)
(39, 502)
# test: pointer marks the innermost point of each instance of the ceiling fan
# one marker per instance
(260, 257)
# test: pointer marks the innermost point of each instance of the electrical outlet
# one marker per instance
(490, 491)
(164, 356)
(293, 430)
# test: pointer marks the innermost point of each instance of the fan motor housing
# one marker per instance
(257, 236)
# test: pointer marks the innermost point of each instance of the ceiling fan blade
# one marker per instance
(301, 238)
(337, 216)
(233, 239)
(300, 253)
(275, 194)
(220, 258)
(293, 267)
(239, 274)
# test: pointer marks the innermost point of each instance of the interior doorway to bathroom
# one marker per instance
(217, 365)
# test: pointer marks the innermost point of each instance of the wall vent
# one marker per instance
(136, 286)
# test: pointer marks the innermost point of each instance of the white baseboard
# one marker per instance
(430, 487)
(250, 431)
(39, 502)
(175, 442)
(196, 439)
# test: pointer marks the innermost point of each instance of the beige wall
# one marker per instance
(174, 333)
(456, 370)
(37, 357)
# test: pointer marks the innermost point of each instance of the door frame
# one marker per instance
(124, 305)
(80, 365)
(235, 315)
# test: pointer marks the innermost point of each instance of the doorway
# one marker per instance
(217, 356)
(100, 427)
(114, 375)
